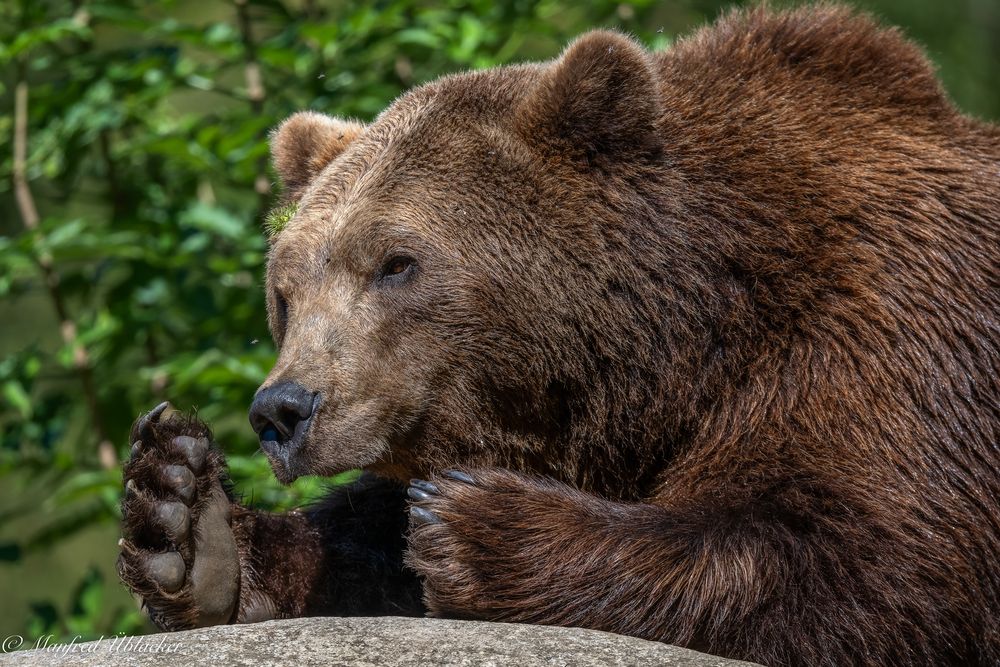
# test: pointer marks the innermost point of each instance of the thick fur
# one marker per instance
(713, 335)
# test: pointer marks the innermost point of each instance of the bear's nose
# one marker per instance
(278, 410)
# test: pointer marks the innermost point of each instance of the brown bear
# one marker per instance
(700, 346)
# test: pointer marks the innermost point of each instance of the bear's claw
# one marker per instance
(424, 494)
(459, 476)
(142, 426)
(424, 486)
(421, 491)
(417, 494)
(420, 516)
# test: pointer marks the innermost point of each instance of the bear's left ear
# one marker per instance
(305, 144)
(600, 98)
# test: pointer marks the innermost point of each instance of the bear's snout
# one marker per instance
(281, 415)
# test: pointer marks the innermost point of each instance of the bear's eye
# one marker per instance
(397, 269)
(282, 304)
(281, 321)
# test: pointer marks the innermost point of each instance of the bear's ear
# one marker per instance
(600, 99)
(304, 144)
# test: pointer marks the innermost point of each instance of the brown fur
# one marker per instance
(715, 332)
(307, 142)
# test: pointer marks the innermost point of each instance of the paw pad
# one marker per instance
(179, 552)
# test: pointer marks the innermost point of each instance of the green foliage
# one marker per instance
(84, 616)
(147, 158)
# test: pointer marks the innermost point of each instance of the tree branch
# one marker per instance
(67, 327)
(255, 89)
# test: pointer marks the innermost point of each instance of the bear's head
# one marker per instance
(449, 286)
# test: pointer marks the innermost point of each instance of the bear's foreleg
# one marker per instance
(777, 574)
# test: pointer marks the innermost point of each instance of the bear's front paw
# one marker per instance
(476, 539)
(178, 552)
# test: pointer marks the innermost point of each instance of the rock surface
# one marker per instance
(369, 642)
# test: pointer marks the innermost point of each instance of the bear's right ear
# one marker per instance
(303, 145)
(599, 101)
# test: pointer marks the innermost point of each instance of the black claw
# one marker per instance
(424, 486)
(131, 490)
(416, 494)
(181, 481)
(136, 449)
(421, 516)
(460, 476)
(194, 449)
(153, 416)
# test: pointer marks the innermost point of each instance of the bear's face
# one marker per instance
(431, 289)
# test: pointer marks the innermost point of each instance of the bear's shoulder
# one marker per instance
(832, 46)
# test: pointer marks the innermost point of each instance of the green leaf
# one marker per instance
(215, 220)
(34, 38)
(15, 396)
(419, 36)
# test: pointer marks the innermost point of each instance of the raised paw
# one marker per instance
(179, 552)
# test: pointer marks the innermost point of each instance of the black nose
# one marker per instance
(277, 411)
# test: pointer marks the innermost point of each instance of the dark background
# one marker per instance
(140, 277)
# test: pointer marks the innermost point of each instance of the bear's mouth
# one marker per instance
(301, 438)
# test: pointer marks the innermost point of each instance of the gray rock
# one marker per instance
(369, 642)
